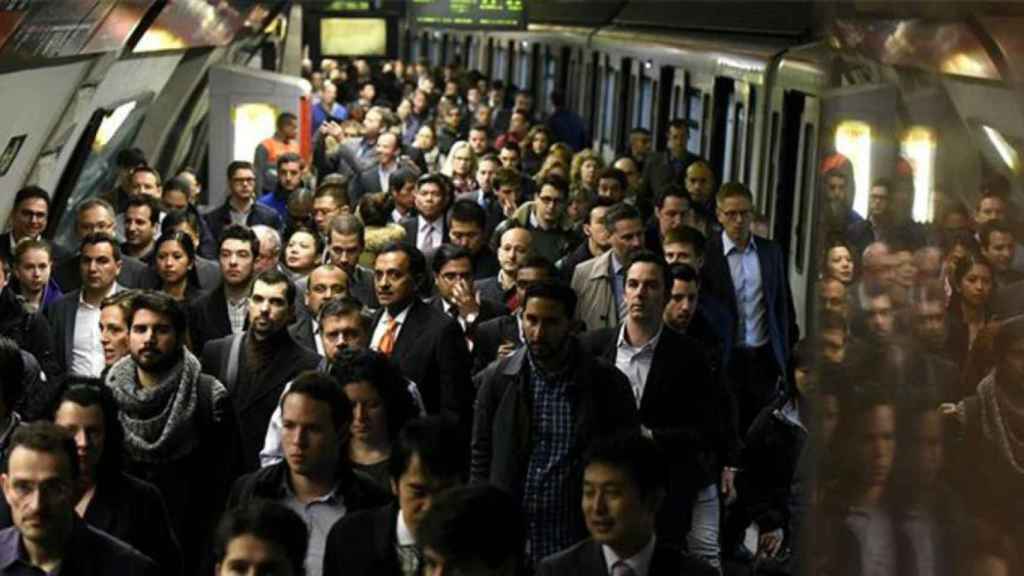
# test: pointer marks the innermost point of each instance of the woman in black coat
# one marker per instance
(109, 499)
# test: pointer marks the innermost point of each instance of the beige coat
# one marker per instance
(592, 283)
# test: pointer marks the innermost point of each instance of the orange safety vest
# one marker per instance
(276, 148)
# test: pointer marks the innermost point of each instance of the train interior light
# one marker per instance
(853, 140)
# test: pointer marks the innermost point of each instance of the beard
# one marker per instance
(157, 362)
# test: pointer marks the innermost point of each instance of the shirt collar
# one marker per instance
(640, 563)
(650, 345)
(616, 265)
(405, 537)
(400, 318)
(114, 289)
(728, 245)
(329, 498)
(436, 223)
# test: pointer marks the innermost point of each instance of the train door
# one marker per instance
(794, 191)
(698, 94)
(721, 138)
(645, 98)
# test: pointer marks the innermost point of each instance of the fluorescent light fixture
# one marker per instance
(111, 124)
(918, 148)
(1006, 150)
(853, 140)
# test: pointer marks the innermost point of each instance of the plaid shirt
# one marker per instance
(548, 499)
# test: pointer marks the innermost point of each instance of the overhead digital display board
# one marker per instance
(475, 14)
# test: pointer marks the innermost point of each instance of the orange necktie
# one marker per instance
(387, 341)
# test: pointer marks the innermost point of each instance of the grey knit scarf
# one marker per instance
(158, 422)
(1001, 420)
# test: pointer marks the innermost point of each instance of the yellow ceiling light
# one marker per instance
(110, 125)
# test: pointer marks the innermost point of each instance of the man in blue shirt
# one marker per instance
(328, 107)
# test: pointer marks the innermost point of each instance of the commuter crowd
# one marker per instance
(454, 340)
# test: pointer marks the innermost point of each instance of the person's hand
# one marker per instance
(465, 300)
(508, 206)
(332, 129)
(729, 486)
(769, 544)
(949, 409)
(506, 349)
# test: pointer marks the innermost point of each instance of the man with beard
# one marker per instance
(180, 432)
(222, 311)
(540, 391)
(255, 365)
(839, 216)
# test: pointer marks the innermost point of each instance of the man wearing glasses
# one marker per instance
(747, 274)
(241, 206)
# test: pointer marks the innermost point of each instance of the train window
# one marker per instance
(645, 103)
(678, 104)
(695, 114)
(728, 172)
(500, 63)
(748, 130)
(608, 116)
(853, 140)
(918, 148)
(802, 228)
(550, 77)
(769, 204)
(93, 169)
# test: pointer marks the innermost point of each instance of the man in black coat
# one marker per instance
(29, 330)
(427, 345)
(222, 311)
(315, 477)
(241, 206)
(668, 167)
(748, 274)
(29, 216)
(426, 460)
(256, 365)
(622, 534)
(97, 215)
(551, 388)
(346, 241)
(456, 294)
(467, 223)
(680, 401)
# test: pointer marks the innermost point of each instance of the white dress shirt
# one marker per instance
(382, 326)
(640, 563)
(429, 234)
(635, 362)
(86, 349)
(385, 176)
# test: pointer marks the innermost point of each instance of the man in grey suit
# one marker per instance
(375, 178)
(75, 318)
(345, 245)
(628, 466)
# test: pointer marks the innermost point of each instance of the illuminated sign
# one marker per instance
(476, 14)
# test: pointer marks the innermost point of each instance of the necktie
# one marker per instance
(620, 568)
(387, 341)
(428, 238)
(409, 556)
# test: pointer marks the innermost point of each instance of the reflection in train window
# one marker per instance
(803, 219)
(853, 140)
(1005, 150)
(645, 104)
(728, 173)
(773, 150)
(500, 64)
(608, 121)
(695, 114)
(253, 123)
(679, 110)
(114, 131)
(918, 148)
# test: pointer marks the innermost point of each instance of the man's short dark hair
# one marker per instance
(446, 253)
(44, 436)
(679, 124)
(676, 191)
(508, 177)
(611, 173)
(239, 165)
(417, 261)
(599, 202)
(12, 366)
(986, 230)
(163, 304)
(243, 233)
(285, 117)
(268, 521)
(176, 218)
(619, 212)
(536, 261)
(178, 184)
(288, 158)
(468, 211)
(512, 147)
(404, 174)
(634, 454)
(683, 273)
(147, 202)
(87, 392)
(343, 306)
(686, 235)
(274, 276)
(32, 193)
(336, 187)
(322, 388)
(130, 158)
(647, 257)
(556, 182)
(472, 526)
(147, 169)
(734, 190)
(487, 132)
(438, 180)
(436, 440)
(100, 238)
(364, 365)
(551, 290)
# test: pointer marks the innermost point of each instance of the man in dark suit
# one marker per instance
(325, 282)
(467, 227)
(622, 541)
(241, 206)
(255, 365)
(691, 313)
(426, 460)
(551, 389)
(223, 310)
(456, 296)
(748, 275)
(692, 418)
(428, 230)
(486, 193)
(75, 317)
(97, 215)
(374, 179)
(345, 245)
(668, 167)
(427, 345)
(29, 216)
(502, 335)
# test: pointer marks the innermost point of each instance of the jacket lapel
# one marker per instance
(69, 334)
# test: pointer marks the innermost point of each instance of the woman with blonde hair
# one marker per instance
(585, 167)
(461, 167)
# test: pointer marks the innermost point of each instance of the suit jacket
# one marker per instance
(587, 559)
(660, 172)
(360, 287)
(485, 263)
(592, 282)
(61, 315)
(364, 543)
(302, 331)
(778, 301)
(412, 230)
(208, 318)
(490, 289)
(488, 311)
(431, 351)
(220, 218)
(490, 335)
(255, 396)
(134, 274)
(367, 182)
